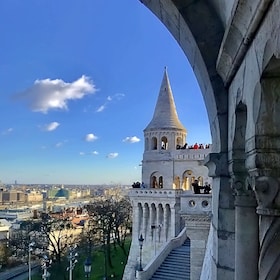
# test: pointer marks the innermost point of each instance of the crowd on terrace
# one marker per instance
(196, 146)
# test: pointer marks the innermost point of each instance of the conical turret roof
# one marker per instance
(165, 114)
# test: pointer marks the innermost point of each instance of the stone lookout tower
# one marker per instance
(169, 167)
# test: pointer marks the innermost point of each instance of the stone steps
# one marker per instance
(176, 265)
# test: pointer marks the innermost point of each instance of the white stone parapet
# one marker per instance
(149, 192)
(180, 154)
(199, 204)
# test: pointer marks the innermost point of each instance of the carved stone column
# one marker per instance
(267, 191)
(246, 232)
(264, 164)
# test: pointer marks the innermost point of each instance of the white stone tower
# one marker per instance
(168, 169)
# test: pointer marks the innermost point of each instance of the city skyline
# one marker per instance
(80, 83)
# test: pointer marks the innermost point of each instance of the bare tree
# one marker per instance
(123, 222)
(57, 237)
(4, 253)
(112, 218)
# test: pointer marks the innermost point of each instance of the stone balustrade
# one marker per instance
(149, 192)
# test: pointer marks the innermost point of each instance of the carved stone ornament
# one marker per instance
(268, 196)
(238, 187)
(244, 195)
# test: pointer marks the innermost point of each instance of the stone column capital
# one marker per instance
(268, 196)
(244, 194)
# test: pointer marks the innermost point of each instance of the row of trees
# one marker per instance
(108, 225)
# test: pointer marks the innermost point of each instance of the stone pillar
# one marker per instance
(223, 244)
(152, 222)
(173, 222)
(166, 223)
(246, 233)
(146, 220)
(263, 161)
(197, 230)
(267, 191)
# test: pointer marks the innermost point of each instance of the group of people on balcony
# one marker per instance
(196, 146)
(196, 188)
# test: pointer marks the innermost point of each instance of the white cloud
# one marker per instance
(133, 139)
(112, 155)
(101, 108)
(59, 144)
(49, 94)
(90, 137)
(117, 96)
(7, 131)
(82, 154)
(94, 153)
(51, 126)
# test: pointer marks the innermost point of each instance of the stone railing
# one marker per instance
(158, 259)
(154, 192)
(180, 154)
(200, 204)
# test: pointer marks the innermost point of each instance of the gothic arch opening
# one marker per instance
(187, 180)
(156, 180)
(154, 143)
(164, 143)
(179, 142)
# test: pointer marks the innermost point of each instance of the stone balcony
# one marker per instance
(191, 204)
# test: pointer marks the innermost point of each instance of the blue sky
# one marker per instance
(79, 82)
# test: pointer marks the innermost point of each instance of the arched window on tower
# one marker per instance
(164, 143)
(160, 182)
(154, 143)
(187, 180)
(179, 143)
(154, 182)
